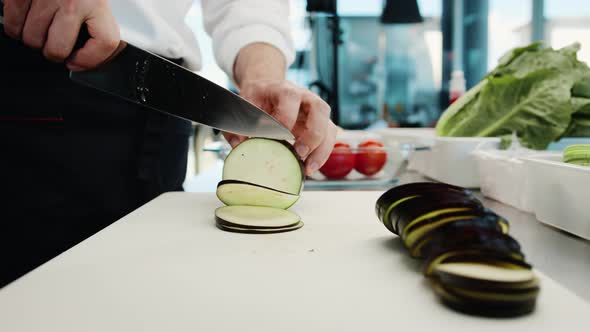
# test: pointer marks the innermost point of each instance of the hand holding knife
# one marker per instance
(158, 84)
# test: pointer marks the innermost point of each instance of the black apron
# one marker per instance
(73, 160)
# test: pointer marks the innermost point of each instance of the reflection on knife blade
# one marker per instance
(152, 81)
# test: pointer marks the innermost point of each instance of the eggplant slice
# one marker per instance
(482, 272)
(469, 302)
(485, 256)
(471, 237)
(228, 228)
(399, 194)
(431, 205)
(233, 192)
(484, 231)
(255, 217)
(474, 265)
(266, 162)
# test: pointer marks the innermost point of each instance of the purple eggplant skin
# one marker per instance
(484, 256)
(407, 211)
(229, 224)
(468, 236)
(227, 228)
(486, 308)
(223, 182)
(399, 192)
(486, 219)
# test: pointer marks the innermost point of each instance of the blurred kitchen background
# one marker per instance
(397, 63)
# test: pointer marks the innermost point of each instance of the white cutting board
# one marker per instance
(166, 267)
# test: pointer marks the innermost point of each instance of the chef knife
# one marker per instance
(152, 81)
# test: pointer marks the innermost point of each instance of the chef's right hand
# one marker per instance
(53, 25)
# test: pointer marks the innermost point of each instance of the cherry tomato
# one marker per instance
(371, 157)
(340, 163)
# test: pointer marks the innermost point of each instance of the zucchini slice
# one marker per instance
(233, 192)
(255, 217)
(266, 162)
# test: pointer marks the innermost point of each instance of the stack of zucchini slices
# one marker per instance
(262, 178)
(473, 264)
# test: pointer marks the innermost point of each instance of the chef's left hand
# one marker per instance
(298, 109)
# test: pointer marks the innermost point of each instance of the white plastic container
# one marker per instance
(504, 177)
(561, 194)
(451, 160)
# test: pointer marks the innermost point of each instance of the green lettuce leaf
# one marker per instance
(580, 124)
(536, 107)
(530, 93)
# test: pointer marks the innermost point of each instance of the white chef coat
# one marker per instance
(159, 26)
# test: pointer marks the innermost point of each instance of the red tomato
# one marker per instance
(340, 162)
(371, 158)
(371, 143)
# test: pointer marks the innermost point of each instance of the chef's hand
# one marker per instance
(259, 71)
(53, 25)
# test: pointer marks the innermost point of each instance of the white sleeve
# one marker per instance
(233, 24)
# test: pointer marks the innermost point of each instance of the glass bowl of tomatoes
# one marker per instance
(358, 158)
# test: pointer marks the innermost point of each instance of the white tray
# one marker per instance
(561, 194)
(504, 177)
(451, 160)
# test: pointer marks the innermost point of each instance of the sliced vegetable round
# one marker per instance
(482, 304)
(255, 217)
(233, 192)
(462, 272)
(485, 231)
(416, 198)
(487, 289)
(235, 229)
(265, 162)
(433, 205)
(407, 191)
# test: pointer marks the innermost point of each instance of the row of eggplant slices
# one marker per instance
(262, 178)
(473, 264)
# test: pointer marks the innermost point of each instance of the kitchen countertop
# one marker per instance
(166, 267)
(562, 256)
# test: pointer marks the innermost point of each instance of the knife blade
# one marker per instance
(156, 83)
